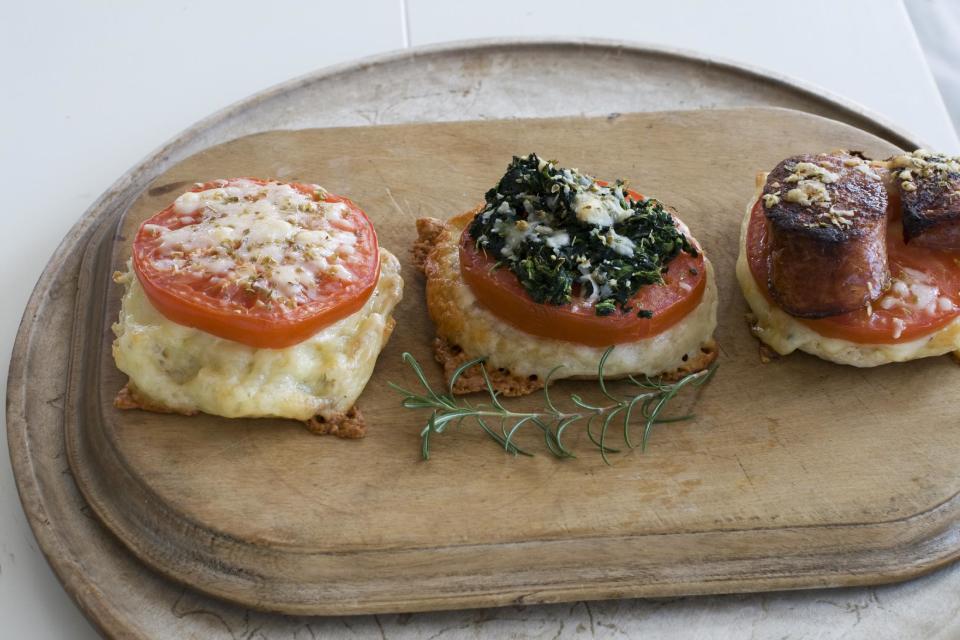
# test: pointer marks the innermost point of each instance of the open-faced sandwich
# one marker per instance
(553, 269)
(254, 298)
(853, 261)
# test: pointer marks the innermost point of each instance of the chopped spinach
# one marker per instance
(563, 234)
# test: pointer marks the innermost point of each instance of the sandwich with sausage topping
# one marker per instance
(555, 267)
(855, 261)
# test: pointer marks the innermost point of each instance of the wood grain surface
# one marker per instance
(797, 473)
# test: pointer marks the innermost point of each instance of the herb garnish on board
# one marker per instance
(646, 403)
(564, 236)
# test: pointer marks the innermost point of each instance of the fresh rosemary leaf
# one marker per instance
(651, 401)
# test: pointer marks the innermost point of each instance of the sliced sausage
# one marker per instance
(826, 220)
(928, 186)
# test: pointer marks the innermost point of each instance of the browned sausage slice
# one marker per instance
(929, 188)
(826, 220)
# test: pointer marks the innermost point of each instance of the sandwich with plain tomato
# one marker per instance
(855, 261)
(553, 269)
(256, 298)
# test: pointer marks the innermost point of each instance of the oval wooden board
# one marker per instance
(795, 474)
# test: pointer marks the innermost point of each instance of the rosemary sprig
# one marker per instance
(501, 423)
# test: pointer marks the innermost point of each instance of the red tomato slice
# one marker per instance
(884, 325)
(183, 286)
(499, 290)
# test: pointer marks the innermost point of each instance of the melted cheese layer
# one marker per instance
(785, 334)
(269, 237)
(461, 318)
(185, 369)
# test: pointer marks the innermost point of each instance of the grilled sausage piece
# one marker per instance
(826, 220)
(928, 185)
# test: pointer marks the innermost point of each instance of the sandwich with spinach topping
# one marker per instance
(554, 268)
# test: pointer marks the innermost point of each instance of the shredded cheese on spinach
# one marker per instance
(565, 236)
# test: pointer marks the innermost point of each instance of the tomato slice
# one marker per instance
(924, 296)
(499, 290)
(267, 284)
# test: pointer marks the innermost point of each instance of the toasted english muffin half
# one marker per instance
(249, 298)
(178, 369)
(517, 362)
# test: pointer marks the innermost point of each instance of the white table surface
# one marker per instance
(89, 88)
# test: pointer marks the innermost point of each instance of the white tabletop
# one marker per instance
(91, 88)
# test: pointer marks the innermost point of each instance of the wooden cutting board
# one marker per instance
(797, 473)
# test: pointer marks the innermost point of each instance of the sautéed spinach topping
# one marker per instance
(565, 235)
